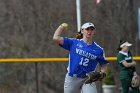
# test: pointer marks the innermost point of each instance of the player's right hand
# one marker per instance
(64, 25)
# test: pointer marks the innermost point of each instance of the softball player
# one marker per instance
(84, 55)
(127, 67)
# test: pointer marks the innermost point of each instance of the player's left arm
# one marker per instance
(103, 64)
(103, 68)
(98, 75)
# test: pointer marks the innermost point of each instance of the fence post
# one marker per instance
(36, 77)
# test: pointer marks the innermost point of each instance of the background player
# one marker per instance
(127, 67)
(84, 55)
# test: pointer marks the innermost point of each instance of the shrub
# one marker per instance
(109, 79)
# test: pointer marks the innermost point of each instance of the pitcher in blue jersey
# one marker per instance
(84, 56)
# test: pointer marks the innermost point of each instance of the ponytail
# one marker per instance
(119, 48)
(79, 35)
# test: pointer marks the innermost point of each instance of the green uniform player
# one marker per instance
(127, 67)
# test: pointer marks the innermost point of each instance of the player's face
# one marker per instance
(125, 48)
(89, 32)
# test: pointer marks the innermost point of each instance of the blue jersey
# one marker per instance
(83, 58)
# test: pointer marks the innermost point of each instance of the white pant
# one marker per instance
(76, 85)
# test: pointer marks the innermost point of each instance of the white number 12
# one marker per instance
(84, 61)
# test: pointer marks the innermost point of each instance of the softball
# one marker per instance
(65, 25)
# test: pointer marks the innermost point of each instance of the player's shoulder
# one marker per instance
(70, 39)
(119, 54)
(98, 46)
(76, 40)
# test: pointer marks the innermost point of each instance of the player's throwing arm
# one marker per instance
(57, 38)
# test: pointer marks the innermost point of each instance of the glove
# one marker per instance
(94, 76)
(135, 81)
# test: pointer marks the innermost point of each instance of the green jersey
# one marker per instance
(125, 72)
